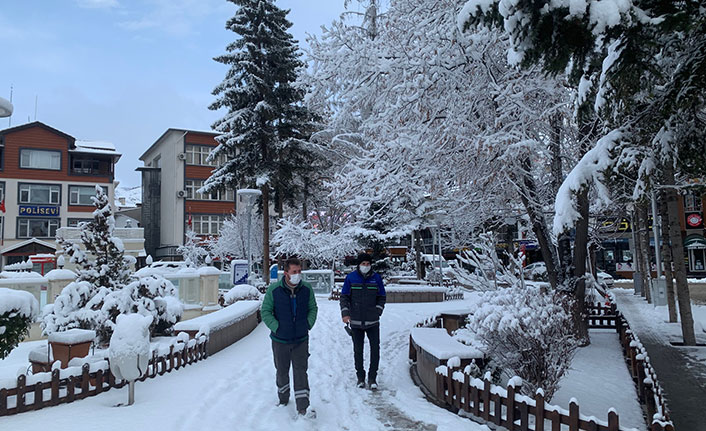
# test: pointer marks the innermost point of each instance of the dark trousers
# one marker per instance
(298, 356)
(373, 334)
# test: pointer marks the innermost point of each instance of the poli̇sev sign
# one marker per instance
(39, 210)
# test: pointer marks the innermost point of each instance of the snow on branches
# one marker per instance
(528, 333)
(319, 247)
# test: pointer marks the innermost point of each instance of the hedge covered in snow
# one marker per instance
(17, 312)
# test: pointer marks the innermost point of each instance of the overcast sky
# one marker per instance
(124, 71)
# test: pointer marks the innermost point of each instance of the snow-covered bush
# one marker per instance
(152, 296)
(129, 350)
(526, 333)
(194, 254)
(320, 247)
(17, 312)
(102, 268)
(77, 306)
(240, 292)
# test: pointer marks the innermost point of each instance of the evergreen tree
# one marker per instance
(102, 268)
(266, 123)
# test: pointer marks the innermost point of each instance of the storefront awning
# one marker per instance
(693, 242)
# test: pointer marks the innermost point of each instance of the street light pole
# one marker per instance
(250, 195)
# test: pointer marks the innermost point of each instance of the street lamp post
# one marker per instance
(250, 197)
(5, 108)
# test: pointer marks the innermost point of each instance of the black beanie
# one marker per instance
(363, 257)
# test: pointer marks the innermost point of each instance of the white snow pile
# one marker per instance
(18, 302)
(439, 343)
(72, 336)
(21, 275)
(129, 349)
(61, 274)
(241, 292)
(219, 319)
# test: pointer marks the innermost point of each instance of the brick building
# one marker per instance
(47, 179)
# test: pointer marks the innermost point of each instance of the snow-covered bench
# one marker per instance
(225, 326)
(431, 347)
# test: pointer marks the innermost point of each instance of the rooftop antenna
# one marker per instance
(36, 99)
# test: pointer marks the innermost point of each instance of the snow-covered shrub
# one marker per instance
(102, 268)
(77, 306)
(129, 350)
(152, 296)
(527, 333)
(240, 292)
(17, 312)
(192, 251)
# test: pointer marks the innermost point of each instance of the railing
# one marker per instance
(453, 296)
(50, 389)
(506, 407)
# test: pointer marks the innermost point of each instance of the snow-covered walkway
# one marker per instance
(680, 370)
(235, 389)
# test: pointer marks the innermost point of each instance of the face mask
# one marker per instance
(295, 278)
(364, 269)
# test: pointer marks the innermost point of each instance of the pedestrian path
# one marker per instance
(235, 388)
(680, 370)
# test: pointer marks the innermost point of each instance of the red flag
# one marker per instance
(2, 205)
(188, 222)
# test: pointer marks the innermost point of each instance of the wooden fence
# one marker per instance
(506, 407)
(56, 390)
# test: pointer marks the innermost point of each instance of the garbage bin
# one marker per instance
(637, 282)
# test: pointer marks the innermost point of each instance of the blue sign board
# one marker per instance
(39, 210)
(239, 272)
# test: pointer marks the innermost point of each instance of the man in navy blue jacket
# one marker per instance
(362, 304)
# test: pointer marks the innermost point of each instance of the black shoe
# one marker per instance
(302, 412)
(361, 384)
(282, 403)
(372, 384)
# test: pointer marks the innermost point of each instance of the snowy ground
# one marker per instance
(604, 358)
(235, 388)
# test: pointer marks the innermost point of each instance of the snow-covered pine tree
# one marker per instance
(193, 252)
(102, 268)
(266, 123)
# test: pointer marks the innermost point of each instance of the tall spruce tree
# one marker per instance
(264, 129)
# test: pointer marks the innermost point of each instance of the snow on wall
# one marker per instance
(413, 288)
(219, 319)
(18, 301)
(437, 342)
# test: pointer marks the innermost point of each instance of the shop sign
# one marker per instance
(694, 220)
(38, 210)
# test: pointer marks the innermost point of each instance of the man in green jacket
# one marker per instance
(289, 311)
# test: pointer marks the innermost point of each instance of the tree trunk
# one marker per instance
(266, 233)
(642, 235)
(667, 258)
(579, 263)
(677, 243)
(637, 262)
(421, 269)
(528, 196)
(563, 249)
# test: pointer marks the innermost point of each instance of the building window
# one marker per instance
(217, 195)
(81, 195)
(207, 224)
(73, 222)
(692, 203)
(85, 166)
(37, 227)
(197, 155)
(40, 194)
(40, 159)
